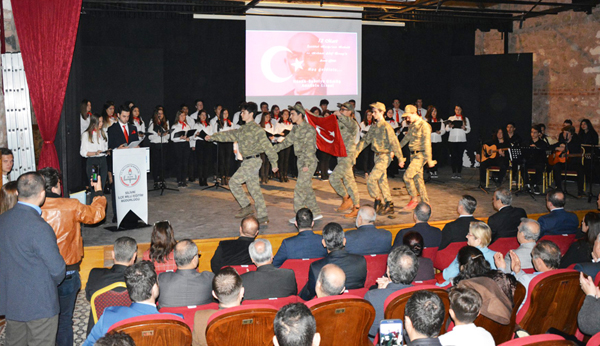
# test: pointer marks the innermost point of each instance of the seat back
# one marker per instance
(594, 340)
(188, 312)
(343, 320)
(157, 329)
(597, 279)
(503, 245)
(276, 303)
(500, 332)
(430, 252)
(376, 268)
(300, 268)
(539, 340)
(396, 302)
(112, 295)
(563, 241)
(553, 301)
(359, 292)
(243, 268)
(241, 325)
(444, 257)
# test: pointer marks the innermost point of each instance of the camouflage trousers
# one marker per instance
(377, 183)
(304, 194)
(342, 179)
(413, 177)
(248, 173)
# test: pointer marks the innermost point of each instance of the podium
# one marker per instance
(131, 186)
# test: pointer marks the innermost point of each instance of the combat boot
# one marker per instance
(388, 208)
(352, 214)
(377, 205)
(263, 220)
(245, 211)
(346, 204)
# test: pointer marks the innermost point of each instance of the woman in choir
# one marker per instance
(85, 111)
(316, 111)
(203, 149)
(275, 113)
(225, 149)
(436, 137)
(137, 121)
(283, 127)
(457, 140)
(181, 146)
(159, 137)
(94, 147)
(162, 244)
(367, 156)
(108, 114)
(267, 125)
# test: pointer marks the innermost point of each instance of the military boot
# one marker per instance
(245, 211)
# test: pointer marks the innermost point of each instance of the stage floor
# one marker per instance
(198, 214)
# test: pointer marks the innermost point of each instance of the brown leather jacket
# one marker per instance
(65, 216)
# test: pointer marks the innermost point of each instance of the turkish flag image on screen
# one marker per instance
(329, 138)
(282, 63)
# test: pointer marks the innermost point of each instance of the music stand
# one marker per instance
(218, 184)
(162, 185)
(593, 148)
(520, 155)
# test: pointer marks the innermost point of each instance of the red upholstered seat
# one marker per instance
(243, 268)
(597, 279)
(503, 245)
(376, 268)
(242, 325)
(276, 303)
(396, 302)
(156, 329)
(430, 252)
(563, 241)
(112, 295)
(359, 292)
(539, 340)
(594, 340)
(444, 257)
(188, 312)
(300, 268)
(426, 282)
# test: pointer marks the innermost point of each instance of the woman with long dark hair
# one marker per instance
(275, 113)
(494, 153)
(587, 134)
(108, 114)
(436, 138)
(225, 149)
(159, 138)
(85, 111)
(137, 121)
(181, 147)
(162, 244)
(457, 140)
(94, 147)
(203, 149)
(581, 250)
(283, 128)
(414, 240)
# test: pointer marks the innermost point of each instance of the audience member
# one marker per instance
(414, 240)
(465, 304)
(66, 215)
(527, 236)
(267, 281)
(142, 286)
(402, 268)
(432, 236)
(235, 251)
(31, 268)
(588, 319)
(355, 266)
(423, 318)
(162, 244)
(229, 291)
(306, 244)
(8, 196)
(115, 339)
(124, 254)
(185, 286)
(367, 239)
(479, 236)
(295, 325)
(581, 250)
(331, 281)
(457, 230)
(505, 222)
(8, 160)
(591, 268)
(558, 221)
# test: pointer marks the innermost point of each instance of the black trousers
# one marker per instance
(182, 156)
(501, 162)
(323, 163)
(204, 156)
(436, 154)
(155, 161)
(573, 164)
(537, 177)
(456, 151)
(225, 156)
(366, 159)
(284, 161)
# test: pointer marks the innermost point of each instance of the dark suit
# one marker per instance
(377, 298)
(354, 266)
(306, 244)
(100, 278)
(505, 222)
(269, 282)
(185, 287)
(432, 236)
(456, 231)
(368, 240)
(589, 268)
(231, 252)
(558, 221)
(116, 137)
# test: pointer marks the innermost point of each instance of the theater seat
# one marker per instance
(503, 245)
(539, 340)
(359, 292)
(243, 268)
(376, 268)
(444, 257)
(112, 295)
(597, 279)
(594, 340)
(156, 329)
(430, 252)
(276, 303)
(188, 312)
(242, 325)
(300, 268)
(563, 241)
(396, 302)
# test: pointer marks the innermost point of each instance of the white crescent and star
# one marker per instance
(265, 64)
(331, 133)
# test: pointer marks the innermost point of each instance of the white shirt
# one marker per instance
(236, 117)
(398, 115)
(98, 144)
(364, 129)
(422, 112)
(177, 128)
(83, 123)
(5, 179)
(154, 136)
(280, 127)
(141, 127)
(435, 137)
(199, 127)
(270, 129)
(458, 135)
(467, 335)
(357, 116)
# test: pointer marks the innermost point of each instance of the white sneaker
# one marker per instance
(318, 217)
(292, 220)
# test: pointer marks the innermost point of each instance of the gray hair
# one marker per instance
(530, 229)
(124, 249)
(469, 203)
(423, 211)
(367, 213)
(261, 256)
(403, 265)
(548, 252)
(504, 196)
(185, 251)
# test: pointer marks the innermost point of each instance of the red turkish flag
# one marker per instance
(329, 138)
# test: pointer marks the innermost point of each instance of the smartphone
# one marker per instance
(390, 332)
(95, 171)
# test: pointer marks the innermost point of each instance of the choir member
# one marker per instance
(94, 147)
(457, 140)
(181, 146)
(203, 149)
(159, 138)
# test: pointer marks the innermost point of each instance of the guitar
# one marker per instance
(560, 157)
(490, 152)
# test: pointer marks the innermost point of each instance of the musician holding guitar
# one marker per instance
(567, 157)
(535, 160)
(494, 153)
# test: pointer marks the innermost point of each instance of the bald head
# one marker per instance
(249, 226)
(366, 216)
(331, 281)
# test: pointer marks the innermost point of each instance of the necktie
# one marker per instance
(125, 133)
(397, 118)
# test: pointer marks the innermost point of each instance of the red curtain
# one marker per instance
(47, 30)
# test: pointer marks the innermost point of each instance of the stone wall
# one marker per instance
(566, 64)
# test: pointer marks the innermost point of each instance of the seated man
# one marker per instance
(402, 268)
(124, 255)
(536, 159)
(185, 286)
(432, 236)
(355, 266)
(267, 281)
(306, 244)
(142, 286)
(229, 291)
(457, 230)
(295, 325)
(423, 318)
(570, 145)
(235, 252)
(527, 236)
(366, 239)
(558, 221)
(331, 281)
(465, 304)
(505, 222)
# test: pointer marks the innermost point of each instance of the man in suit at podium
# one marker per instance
(505, 222)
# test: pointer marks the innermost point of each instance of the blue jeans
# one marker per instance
(67, 295)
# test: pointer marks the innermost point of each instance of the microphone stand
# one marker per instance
(592, 157)
(218, 183)
(162, 185)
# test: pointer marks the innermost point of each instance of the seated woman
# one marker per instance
(8, 196)
(414, 240)
(162, 244)
(581, 250)
(494, 153)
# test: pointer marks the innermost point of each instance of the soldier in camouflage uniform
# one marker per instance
(304, 139)
(252, 142)
(342, 178)
(384, 143)
(418, 138)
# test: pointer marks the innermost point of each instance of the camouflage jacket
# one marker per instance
(382, 139)
(348, 129)
(304, 139)
(418, 138)
(251, 141)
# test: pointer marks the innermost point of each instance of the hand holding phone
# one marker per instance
(390, 332)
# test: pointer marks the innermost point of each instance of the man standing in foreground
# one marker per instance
(31, 268)
(252, 142)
